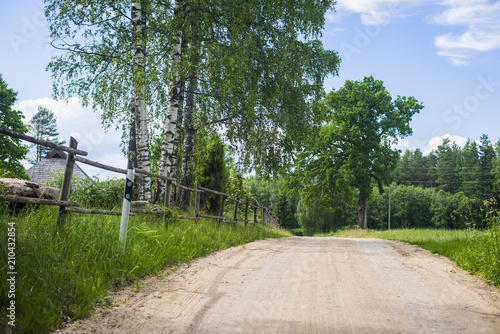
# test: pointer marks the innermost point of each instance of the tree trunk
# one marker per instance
(168, 160)
(189, 135)
(138, 103)
(179, 115)
(362, 212)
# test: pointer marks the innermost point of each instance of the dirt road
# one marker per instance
(307, 285)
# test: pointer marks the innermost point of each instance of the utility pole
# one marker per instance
(389, 220)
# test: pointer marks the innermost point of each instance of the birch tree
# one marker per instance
(260, 77)
(168, 161)
(139, 153)
(103, 61)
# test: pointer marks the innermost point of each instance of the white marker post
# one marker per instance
(127, 197)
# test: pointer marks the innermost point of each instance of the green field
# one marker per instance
(61, 275)
(477, 251)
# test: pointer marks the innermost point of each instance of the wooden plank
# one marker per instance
(197, 201)
(41, 142)
(235, 216)
(187, 218)
(100, 165)
(165, 178)
(246, 212)
(213, 191)
(29, 200)
(187, 188)
(168, 193)
(95, 211)
(221, 212)
(66, 184)
(212, 217)
(149, 212)
(255, 213)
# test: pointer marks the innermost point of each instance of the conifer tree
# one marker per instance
(43, 126)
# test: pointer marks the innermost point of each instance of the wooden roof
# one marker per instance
(45, 170)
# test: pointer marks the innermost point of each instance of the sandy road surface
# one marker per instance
(307, 285)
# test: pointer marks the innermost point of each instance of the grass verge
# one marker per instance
(477, 251)
(61, 275)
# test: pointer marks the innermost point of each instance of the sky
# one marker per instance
(444, 53)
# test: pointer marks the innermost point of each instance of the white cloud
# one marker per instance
(375, 12)
(482, 33)
(85, 126)
(404, 145)
(478, 19)
(436, 141)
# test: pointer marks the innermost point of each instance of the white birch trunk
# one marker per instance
(138, 103)
(168, 161)
(189, 135)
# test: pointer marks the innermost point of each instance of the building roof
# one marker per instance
(50, 166)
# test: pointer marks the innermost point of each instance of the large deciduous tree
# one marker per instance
(353, 148)
(12, 151)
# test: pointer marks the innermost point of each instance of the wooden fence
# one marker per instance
(74, 154)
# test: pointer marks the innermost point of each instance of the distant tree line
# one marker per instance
(451, 187)
(472, 169)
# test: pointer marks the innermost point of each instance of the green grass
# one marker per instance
(477, 251)
(64, 275)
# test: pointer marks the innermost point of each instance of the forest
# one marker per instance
(451, 187)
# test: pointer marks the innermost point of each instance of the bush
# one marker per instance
(92, 193)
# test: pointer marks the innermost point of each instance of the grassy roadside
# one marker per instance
(64, 275)
(477, 251)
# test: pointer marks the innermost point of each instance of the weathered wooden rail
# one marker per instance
(74, 154)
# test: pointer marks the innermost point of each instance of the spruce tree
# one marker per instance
(43, 126)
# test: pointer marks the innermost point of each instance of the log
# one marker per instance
(95, 211)
(145, 205)
(28, 200)
(25, 188)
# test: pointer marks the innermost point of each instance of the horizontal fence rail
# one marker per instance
(45, 143)
(266, 216)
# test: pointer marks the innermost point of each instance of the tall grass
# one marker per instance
(63, 274)
(477, 251)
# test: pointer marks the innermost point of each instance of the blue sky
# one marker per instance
(444, 53)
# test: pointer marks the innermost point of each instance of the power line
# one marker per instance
(443, 182)
(435, 167)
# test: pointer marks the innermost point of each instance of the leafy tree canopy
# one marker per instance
(261, 65)
(11, 150)
(353, 148)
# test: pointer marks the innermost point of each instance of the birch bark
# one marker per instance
(189, 135)
(168, 160)
(138, 101)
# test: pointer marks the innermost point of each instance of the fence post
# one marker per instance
(263, 217)
(166, 204)
(197, 200)
(66, 185)
(236, 208)
(221, 213)
(127, 197)
(255, 213)
(246, 212)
